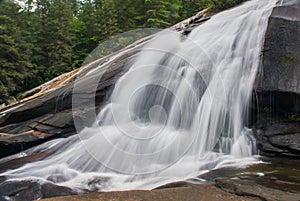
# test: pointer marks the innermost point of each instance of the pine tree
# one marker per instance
(96, 22)
(131, 14)
(161, 13)
(51, 37)
(88, 27)
(156, 13)
(81, 43)
(54, 37)
(109, 22)
(15, 65)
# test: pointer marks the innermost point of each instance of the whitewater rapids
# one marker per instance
(179, 111)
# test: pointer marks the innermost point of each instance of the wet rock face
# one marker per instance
(31, 190)
(281, 54)
(25, 190)
(278, 137)
(277, 88)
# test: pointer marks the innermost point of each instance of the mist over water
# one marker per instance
(178, 112)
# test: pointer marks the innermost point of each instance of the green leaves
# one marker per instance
(15, 64)
(158, 13)
(51, 37)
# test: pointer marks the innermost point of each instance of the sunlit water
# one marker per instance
(178, 112)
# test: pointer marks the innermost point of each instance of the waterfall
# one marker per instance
(178, 112)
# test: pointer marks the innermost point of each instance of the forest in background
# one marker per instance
(49, 37)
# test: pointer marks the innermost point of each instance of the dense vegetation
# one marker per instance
(49, 37)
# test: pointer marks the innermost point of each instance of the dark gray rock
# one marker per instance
(16, 162)
(278, 137)
(49, 190)
(253, 188)
(31, 190)
(277, 87)
(281, 53)
(20, 191)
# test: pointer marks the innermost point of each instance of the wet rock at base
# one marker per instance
(49, 190)
(250, 188)
(278, 137)
(20, 191)
(31, 190)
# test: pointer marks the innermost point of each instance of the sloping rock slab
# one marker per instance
(254, 190)
(51, 114)
(192, 193)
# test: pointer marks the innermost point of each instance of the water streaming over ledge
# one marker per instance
(178, 112)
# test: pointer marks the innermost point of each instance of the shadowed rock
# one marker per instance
(277, 90)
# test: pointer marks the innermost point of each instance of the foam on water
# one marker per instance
(178, 112)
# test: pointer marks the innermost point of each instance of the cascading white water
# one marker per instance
(178, 112)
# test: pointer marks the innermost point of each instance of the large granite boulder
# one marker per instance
(277, 88)
(281, 53)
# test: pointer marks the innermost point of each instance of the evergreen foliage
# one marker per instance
(51, 37)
